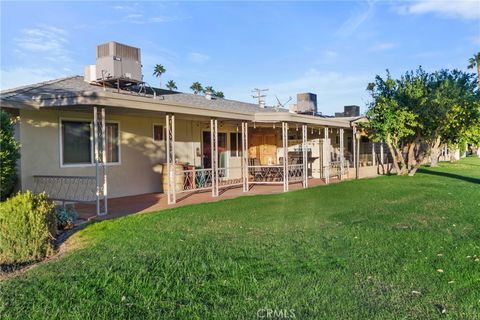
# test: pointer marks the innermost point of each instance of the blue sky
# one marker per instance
(330, 48)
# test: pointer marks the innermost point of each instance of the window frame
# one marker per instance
(238, 150)
(92, 147)
(163, 132)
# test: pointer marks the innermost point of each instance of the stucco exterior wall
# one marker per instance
(141, 158)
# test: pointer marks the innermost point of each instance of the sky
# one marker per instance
(333, 49)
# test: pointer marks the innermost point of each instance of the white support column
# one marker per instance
(214, 155)
(104, 162)
(304, 155)
(327, 156)
(381, 153)
(354, 150)
(285, 155)
(96, 158)
(374, 161)
(342, 155)
(245, 173)
(171, 164)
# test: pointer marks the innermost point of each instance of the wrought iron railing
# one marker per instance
(66, 188)
(295, 172)
(193, 180)
(265, 174)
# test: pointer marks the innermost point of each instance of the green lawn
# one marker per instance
(360, 249)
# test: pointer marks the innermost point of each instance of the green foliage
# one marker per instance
(9, 154)
(219, 94)
(373, 254)
(27, 227)
(158, 70)
(66, 216)
(418, 112)
(196, 87)
(171, 85)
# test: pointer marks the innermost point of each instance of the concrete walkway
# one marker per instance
(118, 207)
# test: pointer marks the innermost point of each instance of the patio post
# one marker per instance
(327, 155)
(171, 168)
(104, 161)
(373, 154)
(214, 155)
(381, 153)
(285, 155)
(354, 150)
(96, 157)
(342, 158)
(245, 156)
(304, 155)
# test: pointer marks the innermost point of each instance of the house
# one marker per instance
(100, 136)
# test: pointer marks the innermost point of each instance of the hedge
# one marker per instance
(27, 228)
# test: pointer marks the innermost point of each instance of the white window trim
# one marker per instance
(92, 164)
(227, 145)
(239, 141)
(163, 129)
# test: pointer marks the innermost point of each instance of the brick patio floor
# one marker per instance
(122, 206)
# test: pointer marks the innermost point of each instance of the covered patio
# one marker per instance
(122, 206)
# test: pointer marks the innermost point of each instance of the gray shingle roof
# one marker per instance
(74, 86)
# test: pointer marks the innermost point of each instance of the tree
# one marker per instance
(196, 87)
(158, 70)
(475, 61)
(419, 112)
(9, 154)
(219, 94)
(171, 85)
(209, 89)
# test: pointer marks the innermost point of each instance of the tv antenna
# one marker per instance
(260, 96)
(282, 105)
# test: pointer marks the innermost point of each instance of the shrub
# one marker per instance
(66, 217)
(9, 154)
(27, 228)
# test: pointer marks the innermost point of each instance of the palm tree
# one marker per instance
(158, 70)
(196, 87)
(475, 61)
(209, 89)
(171, 85)
(219, 94)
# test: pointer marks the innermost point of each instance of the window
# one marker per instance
(77, 142)
(111, 142)
(236, 144)
(77, 146)
(157, 132)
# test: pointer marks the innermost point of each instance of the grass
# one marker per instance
(360, 249)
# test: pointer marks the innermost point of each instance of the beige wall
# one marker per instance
(140, 166)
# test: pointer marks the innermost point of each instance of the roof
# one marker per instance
(75, 92)
(75, 85)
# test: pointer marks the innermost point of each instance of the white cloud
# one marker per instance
(356, 20)
(198, 58)
(382, 46)
(464, 9)
(20, 76)
(48, 41)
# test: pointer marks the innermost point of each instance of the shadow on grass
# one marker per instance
(449, 175)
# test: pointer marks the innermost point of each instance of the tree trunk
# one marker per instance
(435, 153)
(478, 151)
(394, 156)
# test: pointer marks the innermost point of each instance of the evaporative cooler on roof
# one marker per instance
(118, 61)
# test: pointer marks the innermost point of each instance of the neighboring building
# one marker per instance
(349, 111)
(124, 138)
